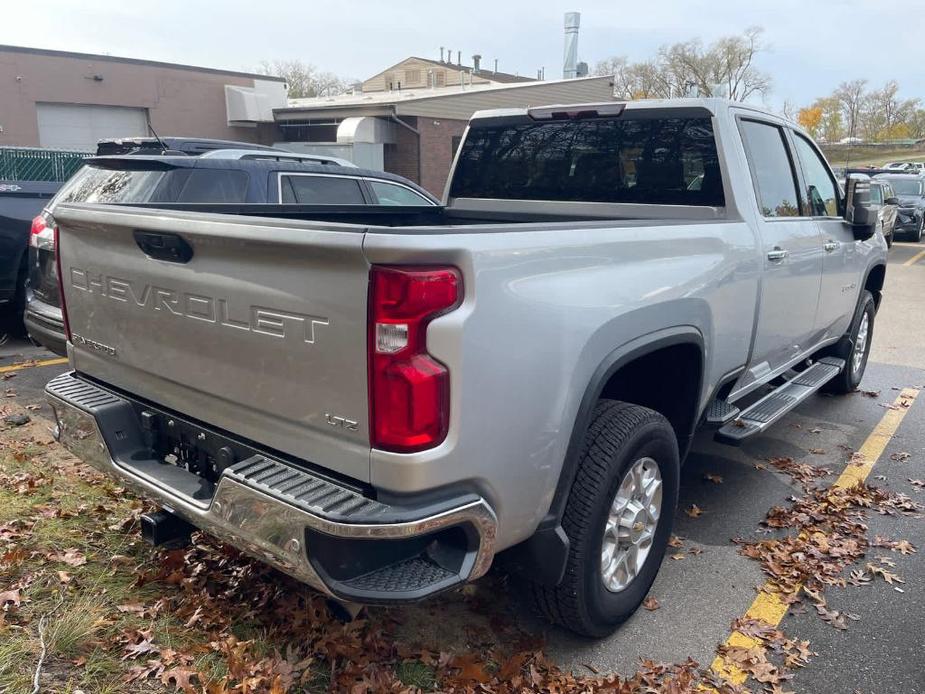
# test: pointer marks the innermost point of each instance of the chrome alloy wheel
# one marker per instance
(860, 344)
(631, 524)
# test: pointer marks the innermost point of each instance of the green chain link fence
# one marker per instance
(36, 164)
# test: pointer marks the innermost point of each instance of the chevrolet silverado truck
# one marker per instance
(381, 401)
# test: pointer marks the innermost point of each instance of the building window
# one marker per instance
(440, 78)
(412, 77)
(454, 143)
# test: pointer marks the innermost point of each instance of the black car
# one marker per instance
(24, 195)
(154, 180)
(910, 218)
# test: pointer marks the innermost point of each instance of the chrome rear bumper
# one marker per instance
(259, 518)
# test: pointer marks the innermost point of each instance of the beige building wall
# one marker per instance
(180, 101)
(414, 73)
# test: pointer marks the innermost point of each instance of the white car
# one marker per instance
(277, 155)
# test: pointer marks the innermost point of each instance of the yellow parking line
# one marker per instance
(30, 364)
(914, 259)
(769, 606)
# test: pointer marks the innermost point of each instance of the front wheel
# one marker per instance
(917, 234)
(854, 347)
(618, 519)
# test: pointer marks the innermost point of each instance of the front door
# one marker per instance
(843, 264)
(791, 256)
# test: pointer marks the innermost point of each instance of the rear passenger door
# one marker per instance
(791, 254)
(842, 264)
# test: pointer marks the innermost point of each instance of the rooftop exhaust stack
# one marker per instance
(459, 57)
(570, 64)
(476, 60)
(441, 53)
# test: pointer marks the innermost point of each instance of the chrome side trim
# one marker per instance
(256, 523)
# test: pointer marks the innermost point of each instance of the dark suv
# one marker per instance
(169, 180)
(910, 217)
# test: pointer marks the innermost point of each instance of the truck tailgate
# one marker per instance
(261, 332)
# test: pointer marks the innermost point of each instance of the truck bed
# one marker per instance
(460, 213)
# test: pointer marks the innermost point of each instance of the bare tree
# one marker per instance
(304, 79)
(851, 97)
(724, 68)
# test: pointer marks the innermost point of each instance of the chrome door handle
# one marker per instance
(777, 254)
(830, 246)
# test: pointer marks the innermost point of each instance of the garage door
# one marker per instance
(80, 127)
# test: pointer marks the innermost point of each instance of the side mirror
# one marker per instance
(858, 212)
(891, 201)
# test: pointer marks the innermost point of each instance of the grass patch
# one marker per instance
(414, 673)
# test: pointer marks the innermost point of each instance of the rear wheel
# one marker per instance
(618, 518)
(854, 347)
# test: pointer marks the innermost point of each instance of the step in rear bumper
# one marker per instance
(261, 519)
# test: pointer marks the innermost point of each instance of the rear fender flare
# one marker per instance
(543, 556)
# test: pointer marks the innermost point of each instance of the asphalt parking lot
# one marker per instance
(710, 583)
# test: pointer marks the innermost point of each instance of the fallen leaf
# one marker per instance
(715, 479)
(651, 604)
(13, 597)
(694, 511)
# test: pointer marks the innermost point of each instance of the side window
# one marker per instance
(213, 185)
(771, 169)
(820, 188)
(390, 194)
(876, 194)
(321, 190)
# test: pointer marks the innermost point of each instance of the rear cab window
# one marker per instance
(641, 159)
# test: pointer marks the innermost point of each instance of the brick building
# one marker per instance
(65, 100)
(414, 132)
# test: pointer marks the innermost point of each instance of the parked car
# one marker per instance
(896, 166)
(379, 407)
(277, 155)
(882, 199)
(30, 177)
(19, 202)
(204, 179)
(173, 145)
(910, 215)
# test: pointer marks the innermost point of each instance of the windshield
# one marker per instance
(669, 161)
(907, 186)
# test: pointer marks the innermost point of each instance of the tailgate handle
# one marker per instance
(170, 247)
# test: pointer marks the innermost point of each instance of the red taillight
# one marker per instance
(409, 391)
(67, 327)
(43, 231)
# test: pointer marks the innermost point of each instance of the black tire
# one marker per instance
(850, 377)
(917, 234)
(620, 435)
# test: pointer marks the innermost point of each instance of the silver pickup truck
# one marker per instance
(379, 402)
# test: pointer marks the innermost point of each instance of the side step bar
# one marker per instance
(780, 401)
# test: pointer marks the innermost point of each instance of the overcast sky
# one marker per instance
(813, 44)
